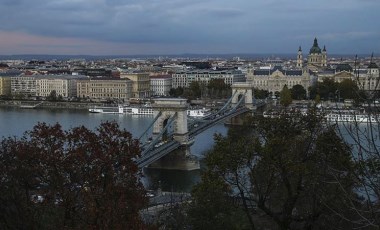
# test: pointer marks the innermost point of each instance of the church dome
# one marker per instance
(315, 48)
(343, 67)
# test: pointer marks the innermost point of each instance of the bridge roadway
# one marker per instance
(157, 153)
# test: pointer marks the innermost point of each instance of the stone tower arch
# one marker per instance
(168, 107)
(246, 89)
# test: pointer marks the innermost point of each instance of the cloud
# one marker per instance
(240, 25)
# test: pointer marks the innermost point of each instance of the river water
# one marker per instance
(15, 121)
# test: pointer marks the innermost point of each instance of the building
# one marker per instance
(63, 85)
(273, 80)
(366, 79)
(23, 85)
(185, 78)
(160, 85)
(140, 84)
(104, 88)
(317, 58)
(5, 81)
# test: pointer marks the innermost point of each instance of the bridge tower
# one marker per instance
(243, 89)
(171, 107)
(180, 159)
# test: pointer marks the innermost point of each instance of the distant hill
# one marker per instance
(29, 57)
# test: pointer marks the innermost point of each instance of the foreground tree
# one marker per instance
(285, 96)
(55, 179)
(294, 168)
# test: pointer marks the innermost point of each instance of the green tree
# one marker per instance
(261, 94)
(52, 96)
(327, 88)
(218, 88)
(77, 179)
(285, 96)
(195, 89)
(298, 92)
(348, 89)
(294, 168)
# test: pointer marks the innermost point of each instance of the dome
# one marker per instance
(343, 67)
(315, 48)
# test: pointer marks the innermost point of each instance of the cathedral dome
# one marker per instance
(315, 48)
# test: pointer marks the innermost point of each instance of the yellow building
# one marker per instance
(105, 88)
(5, 82)
(273, 80)
(140, 84)
(5, 85)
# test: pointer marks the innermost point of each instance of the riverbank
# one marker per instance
(49, 104)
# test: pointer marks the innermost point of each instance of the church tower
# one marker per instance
(299, 58)
(324, 57)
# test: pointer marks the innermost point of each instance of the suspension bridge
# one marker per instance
(171, 128)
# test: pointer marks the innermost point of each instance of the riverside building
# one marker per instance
(274, 79)
(160, 85)
(104, 88)
(185, 78)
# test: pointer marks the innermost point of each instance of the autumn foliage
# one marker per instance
(76, 179)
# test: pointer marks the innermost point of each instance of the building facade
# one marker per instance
(23, 85)
(5, 81)
(273, 80)
(63, 85)
(140, 84)
(160, 85)
(185, 78)
(367, 79)
(104, 88)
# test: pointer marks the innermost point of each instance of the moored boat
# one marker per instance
(122, 109)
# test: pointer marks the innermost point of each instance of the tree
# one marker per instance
(261, 94)
(52, 96)
(347, 89)
(285, 96)
(195, 89)
(327, 88)
(294, 168)
(218, 88)
(55, 179)
(298, 92)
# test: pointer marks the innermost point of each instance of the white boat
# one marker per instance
(105, 109)
(350, 116)
(123, 109)
(198, 112)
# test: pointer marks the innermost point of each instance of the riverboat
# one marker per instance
(350, 116)
(123, 109)
(198, 112)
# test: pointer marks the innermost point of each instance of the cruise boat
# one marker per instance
(350, 116)
(105, 109)
(123, 109)
(198, 112)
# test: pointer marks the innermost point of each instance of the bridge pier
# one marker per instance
(180, 159)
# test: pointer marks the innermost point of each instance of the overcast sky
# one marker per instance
(128, 27)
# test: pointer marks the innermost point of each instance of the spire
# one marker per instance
(299, 49)
(324, 48)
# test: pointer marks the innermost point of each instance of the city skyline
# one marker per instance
(116, 27)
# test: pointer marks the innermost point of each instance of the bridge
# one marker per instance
(172, 128)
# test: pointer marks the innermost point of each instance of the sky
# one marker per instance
(141, 27)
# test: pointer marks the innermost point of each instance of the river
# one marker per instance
(15, 121)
